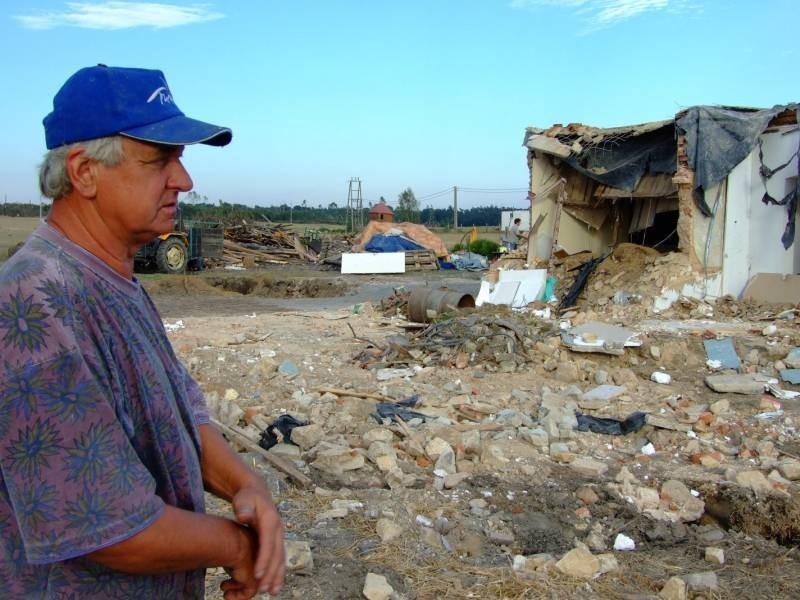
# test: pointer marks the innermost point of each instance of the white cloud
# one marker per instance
(120, 15)
(604, 13)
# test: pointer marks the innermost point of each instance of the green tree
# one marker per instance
(407, 206)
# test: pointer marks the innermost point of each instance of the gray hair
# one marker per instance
(54, 180)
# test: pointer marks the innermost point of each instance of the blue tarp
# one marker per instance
(391, 243)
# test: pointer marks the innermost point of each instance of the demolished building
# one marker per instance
(719, 184)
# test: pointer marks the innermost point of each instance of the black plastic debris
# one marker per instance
(283, 425)
(400, 409)
(584, 270)
(631, 424)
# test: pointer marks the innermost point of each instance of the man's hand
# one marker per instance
(226, 476)
(254, 508)
(242, 585)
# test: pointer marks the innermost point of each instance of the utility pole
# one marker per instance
(455, 207)
(354, 219)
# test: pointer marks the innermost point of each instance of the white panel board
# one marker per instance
(483, 293)
(504, 293)
(531, 284)
(373, 262)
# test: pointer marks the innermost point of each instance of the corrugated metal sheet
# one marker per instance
(657, 185)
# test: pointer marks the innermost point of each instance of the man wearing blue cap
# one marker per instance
(105, 442)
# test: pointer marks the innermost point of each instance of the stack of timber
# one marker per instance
(252, 244)
(421, 260)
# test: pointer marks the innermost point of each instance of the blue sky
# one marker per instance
(425, 94)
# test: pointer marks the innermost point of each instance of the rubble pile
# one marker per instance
(634, 282)
(261, 244)
(482, 455)
(482, 338)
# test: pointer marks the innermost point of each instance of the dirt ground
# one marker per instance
(322, 323)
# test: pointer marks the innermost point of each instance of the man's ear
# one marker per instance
(82, 172)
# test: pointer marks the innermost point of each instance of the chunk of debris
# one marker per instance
(600, 337)
(376, 587)
(579, 563)
(736, 384)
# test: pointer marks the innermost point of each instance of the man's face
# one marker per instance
(138, 198)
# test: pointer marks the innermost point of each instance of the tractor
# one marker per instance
(183, 249)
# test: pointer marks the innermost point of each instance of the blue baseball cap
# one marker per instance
(103, 101)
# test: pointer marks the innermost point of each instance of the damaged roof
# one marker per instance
(717, 139)
(574, 138)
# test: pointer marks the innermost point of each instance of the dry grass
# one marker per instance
(14, 230)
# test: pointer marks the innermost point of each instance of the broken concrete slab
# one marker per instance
(579, 563)
(376, 587)
(388, 530)
(298, 557)
(604, 338)
(589, 466)
(701, 582)
(600, 396)
(736, 384)
(674, 589)
(338, 459)
(666, 422)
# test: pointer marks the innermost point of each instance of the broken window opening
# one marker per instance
(662, 235)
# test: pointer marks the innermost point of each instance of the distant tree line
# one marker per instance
(481, 216)
(18, 209)
(227, 213)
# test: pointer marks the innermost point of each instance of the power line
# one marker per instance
(473, 190)
(435, 194)
(494, 190)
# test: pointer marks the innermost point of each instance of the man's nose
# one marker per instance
(180, 178)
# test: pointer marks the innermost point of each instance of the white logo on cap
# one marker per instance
(163, 94)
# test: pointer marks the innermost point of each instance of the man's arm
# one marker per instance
(182, 540)
(226, 476)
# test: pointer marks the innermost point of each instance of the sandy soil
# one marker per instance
(226, 334)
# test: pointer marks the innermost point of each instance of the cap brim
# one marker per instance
(181, 131)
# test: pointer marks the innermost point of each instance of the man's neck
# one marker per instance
(85, 228)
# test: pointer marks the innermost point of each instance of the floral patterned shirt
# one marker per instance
(98, 425)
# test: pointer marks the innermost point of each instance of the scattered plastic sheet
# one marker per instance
(400, 409)
(283, 425)
(581, 278)
(469, 261)
(631, 424)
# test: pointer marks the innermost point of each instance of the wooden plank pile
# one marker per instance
(421, 260)
(252, 244)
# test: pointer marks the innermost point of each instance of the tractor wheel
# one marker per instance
(172, 256)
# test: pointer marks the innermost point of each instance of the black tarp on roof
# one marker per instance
(719, 138)
(620, 163)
